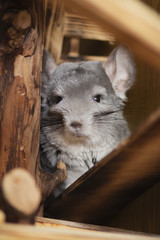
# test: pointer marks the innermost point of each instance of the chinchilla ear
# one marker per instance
(119, 67)
(48, 63)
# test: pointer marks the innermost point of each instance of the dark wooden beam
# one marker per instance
(115, 181)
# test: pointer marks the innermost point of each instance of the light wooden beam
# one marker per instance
(18, 232)
(131, 21)
(55, 223)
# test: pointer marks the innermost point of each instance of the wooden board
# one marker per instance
(100, 193)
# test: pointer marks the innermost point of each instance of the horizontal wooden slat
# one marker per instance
(131, 21)
(116, 180)
(19, 232)
(79, 26)
(83, 58)
(54, 223)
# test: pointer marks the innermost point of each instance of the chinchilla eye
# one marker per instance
(54, 100)
(97, 98)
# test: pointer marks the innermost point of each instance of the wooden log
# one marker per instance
(131, 21)
(21, 49)
(115, 181)
(19, 196)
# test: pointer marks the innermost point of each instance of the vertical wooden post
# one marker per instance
(54, 28)
(74, 47)
(21, 49)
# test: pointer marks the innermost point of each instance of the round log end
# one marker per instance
(20, 191)
(22, 20)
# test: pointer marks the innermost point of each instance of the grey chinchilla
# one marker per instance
(82, 111)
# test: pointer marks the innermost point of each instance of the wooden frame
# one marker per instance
(114, 16)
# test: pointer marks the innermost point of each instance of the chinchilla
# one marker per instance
(82, 111)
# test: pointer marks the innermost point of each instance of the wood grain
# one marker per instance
(115, 181)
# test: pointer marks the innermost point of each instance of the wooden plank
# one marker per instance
(19, 232)
(115, 181)
(131, 21)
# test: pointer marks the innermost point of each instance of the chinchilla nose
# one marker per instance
(76, 125)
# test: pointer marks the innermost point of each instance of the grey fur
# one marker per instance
(75, 127)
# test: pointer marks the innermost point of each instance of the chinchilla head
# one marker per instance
(83, 102)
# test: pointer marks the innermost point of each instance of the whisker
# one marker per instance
(50, 122)
(105, 113)
(53, 119)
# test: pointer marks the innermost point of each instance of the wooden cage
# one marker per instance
(74, 31)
